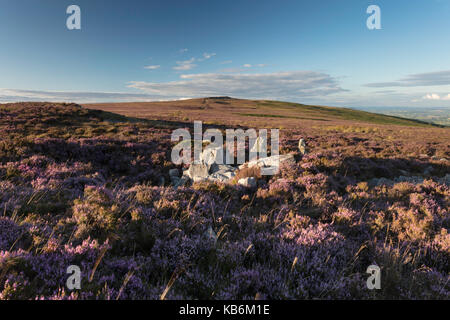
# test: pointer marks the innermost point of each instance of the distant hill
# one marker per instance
(436, 115)
(256, 113)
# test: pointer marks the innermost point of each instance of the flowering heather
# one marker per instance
(89, 188)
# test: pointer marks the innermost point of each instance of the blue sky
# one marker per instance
(318, 52)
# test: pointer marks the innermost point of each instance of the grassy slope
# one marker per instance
(346, 114)
(233, 110)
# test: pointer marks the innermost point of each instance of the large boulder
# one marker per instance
(214, 172)
(269, 161)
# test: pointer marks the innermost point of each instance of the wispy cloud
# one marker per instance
(232, 70)
(185, 65)
(439, 78)
(259, 65)
(207, 56)
(14, 95)
(183, 50)
(227, 62)
(281, 85)
(152, 67)
(189, 64)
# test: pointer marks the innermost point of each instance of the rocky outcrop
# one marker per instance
(210, 167)
(223, 173)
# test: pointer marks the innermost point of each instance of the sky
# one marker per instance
(315, 52)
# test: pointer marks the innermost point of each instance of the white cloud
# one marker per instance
(185, 65)
(247, 65)
(152, 67)
(434, 96)
(292, 85)
(183, 50)
(227, 62)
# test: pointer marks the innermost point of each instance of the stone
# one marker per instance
(302, 147)
(248, 182)
(221, 168)
(197, 171)
(269, 161)
(203, 172)
(218, 177)
(229, 174)
(222, 172)
(173, 172)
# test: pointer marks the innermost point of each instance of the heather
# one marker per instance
(90, 188)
